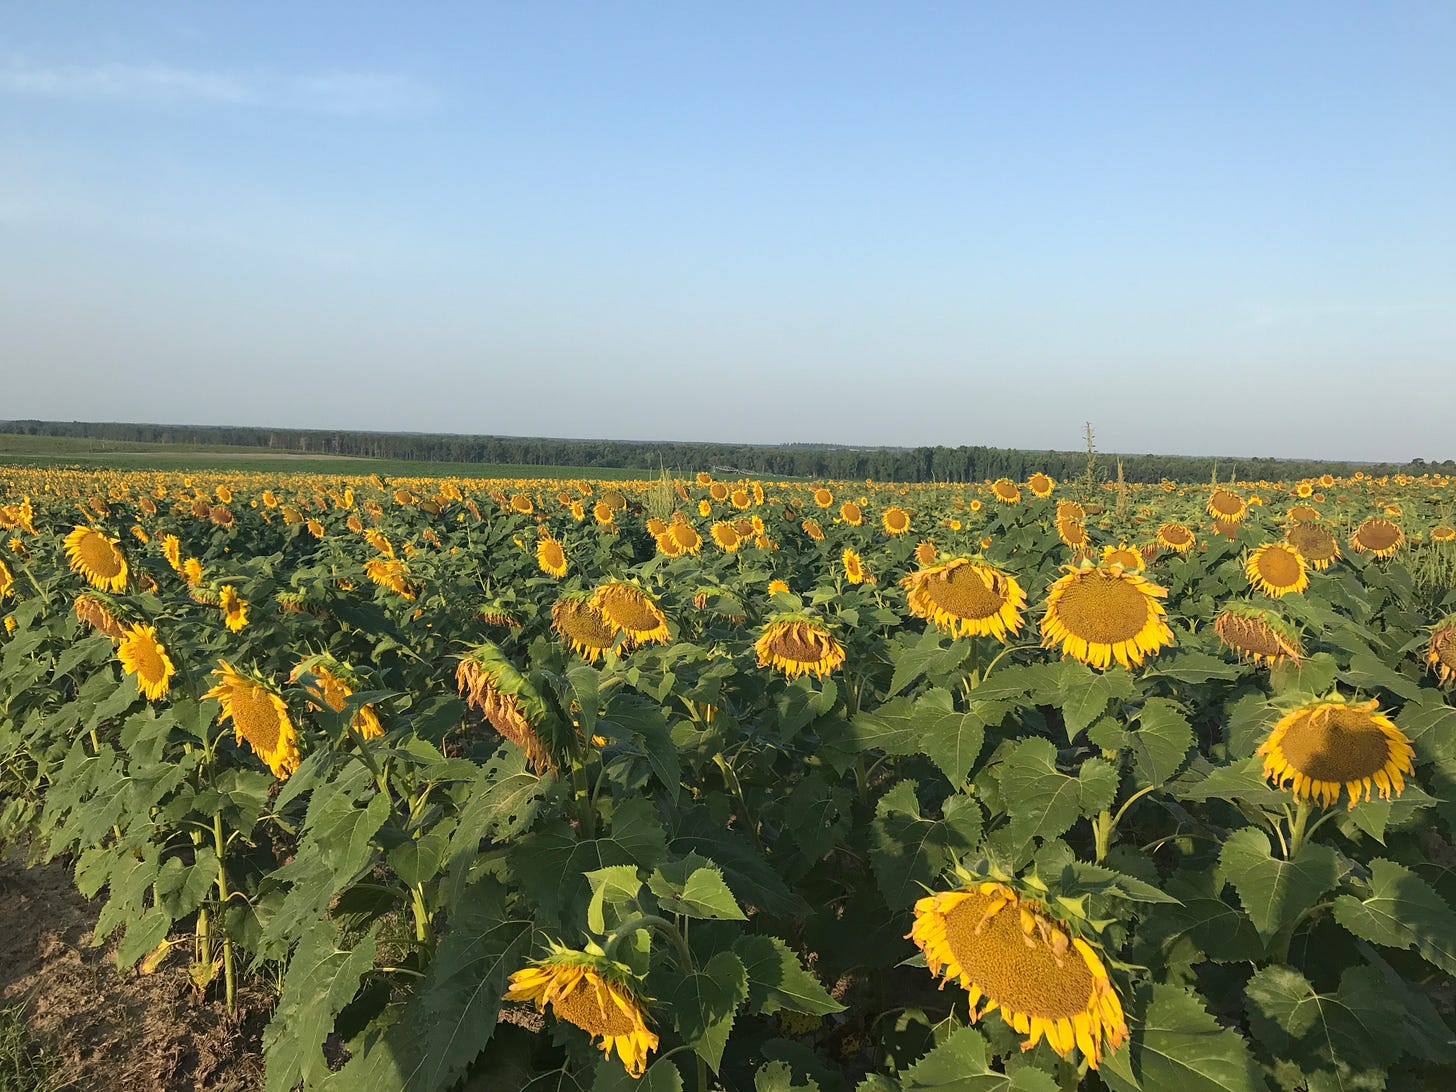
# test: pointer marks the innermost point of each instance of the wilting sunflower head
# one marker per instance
(967, 598)
(596, 994)
(1067, 509)
(507, 700)
(1006, 491)
(1302, 513)
(1041, 485)
(798, 645)
(1073, 533)
(1127, 556)
(631, 612)
(1378, 536)
(1176, 537)
(97, 558)
(895, 520)
(1315, 542)
(1443, 532)
(1277, 569)
(1104, 613)
(925, 553)
(102, 614)
(330, 684)
(582, 626)
(551, 556)
(1014, 956)
(1257, 634)
(259, 716)
(142, 655)
(388, 572)
(1328, 744)
(813, 530)
(667, 545)
(1441, 652)
(1227, 506)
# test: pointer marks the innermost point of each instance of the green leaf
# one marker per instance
(1357, 1027)
(503, 802)
(907, 849)
(1176, 1044)
(616, 884)
(960, 1063)
(778, 981)
(662, 1075)
(417, 860)
(1274, 892)
(953, 740)
(1220, 932)
(779, 1077)
(1243, 782)
(704, 1003)
(694, 888)
(1043, 801)
(1096, 785)
(1084, 693)
(1192, 666)
(1401, 911)
(1161, 743)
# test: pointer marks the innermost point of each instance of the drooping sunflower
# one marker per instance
(631, 611)
(813, 530)
(7, 580)
(686, 536)
(798, 645)
(142, 655)
(925, 553)
(1315, 542)
(1443, 532)
(778, 587)
(259, 716)
(1100, 614)
(582, 626)
(895, 520)
(1041, 485)
(1006, 491)
(1378, 536)
(507, 700)
(1302, 513)
(596, 994)
(1072, 532)
(854, 570)
(1127, 556)
(1257, 634)
(1176, 537)
(234, 608)
(724, 535)
(1067, 509)
(1441, 652)
(1329, 744)
(97, 558)
(667, 545)
(851, 513)
(551, 556)
(101, 615)
(966, 598)
(1277, 569)
(330, 684)
(1227, 506)
(522, 504)
(1009, 953)
(388, 572)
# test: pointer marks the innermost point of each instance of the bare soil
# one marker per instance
(108, 1030)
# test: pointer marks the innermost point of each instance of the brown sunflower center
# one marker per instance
(1315, 543)
(148, 657)
(1377, 534)
(629, 609)
(1175, 534)
(1103, 608)
(100, 556)
(965, 593)
(1249, 635)
(1279, 567)
(552, 555)
(799, 643)
(1443, 646)
(1335, 743)
(587, 1011)
(1226, 503)
(1019, 972)
(578, 621)
(256, 717)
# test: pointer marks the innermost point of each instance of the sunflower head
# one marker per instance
(685, 536)
(1009, 954)
(964, 597)
(925, 553)
(234, 608)
(102, 614)
(1006, 491)
(1258, 634)
(97, 558)
(1129, 557)
(1104, 613)
(551, 556)
(506, 699)
(582, 626)
(1041, 485)
(330, 684)
(1441, 652)
(598, 995)
(1315, 542)
(630, 611)
(1176, 537)
(851, 513)
(259, 716)
(895, 520)
(725, 536)
(1328, 744)
(854, 569)
(823, 497)
(1073, 533)
(142, 655)
(798, 645)
(1226, 506)
(1378, 536)
(1277, 569)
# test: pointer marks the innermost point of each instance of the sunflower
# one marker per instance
(1072, 533)
(703, 478)
(925, 553)
(1006, 491)
(966, 598)
(1098, 614)
(604, 514)
(667, 545)
(7, 580)
(1304, 489)
(1441, 653)
(551, 557)
(259, 716)
(331, 685)
(1302, 513)
(1276, 569)
(631, 611)
(724, 535)
(797, 645)
(234, 608)
(582, 626)
(656, 527)
(1227, 506)
(778, 587)
(1443, 532)
(813, 530)
(1258, 634)
(1326, 482)
(854, 570)
(686, 536)
(1316, 544)
(1012, 954)
(1067, 509)
(1176, 537)
(1327, 744)
(705, 508)
(1041, 485)
(380, 541)
(718, 491)
(740, 498)
(594, 993)
(389, 573)
(895, 520)
(506, 699)
(823, 497)
(851, 513)
(142, 655)
(522, 504)
(1376, 536)
(97, 558)
(1122, 554)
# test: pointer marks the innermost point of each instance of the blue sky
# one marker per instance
(1215, 229)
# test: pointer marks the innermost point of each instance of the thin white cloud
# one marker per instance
(332, 92)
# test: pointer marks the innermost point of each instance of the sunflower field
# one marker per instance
(691, 784)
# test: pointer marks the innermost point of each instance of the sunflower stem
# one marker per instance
(1297, 830)
(220, 843)
(660, 925)
(423, 933)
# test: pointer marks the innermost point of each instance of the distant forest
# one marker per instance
(907, 464)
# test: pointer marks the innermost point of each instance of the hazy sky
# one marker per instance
(1219, 228)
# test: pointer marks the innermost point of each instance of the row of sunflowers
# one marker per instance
(759, 785)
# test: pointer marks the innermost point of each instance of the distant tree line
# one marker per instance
(907, 464)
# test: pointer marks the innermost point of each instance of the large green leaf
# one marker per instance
(778, 981)
(908, 850)
(1274, 891)
(1161, 742)
(694, 888)
(960, 1063)
(704, 1003)
(1401, 910)
(1176, 1044)
(1043, 801)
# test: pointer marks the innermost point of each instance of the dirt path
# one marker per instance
(111, 1031)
